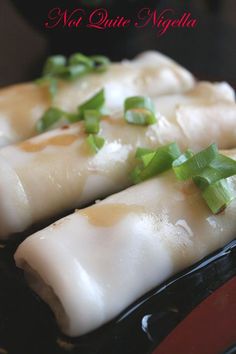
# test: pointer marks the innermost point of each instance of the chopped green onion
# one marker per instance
(147, 158)
(53, 114)
(78, 64)
(139, 102)
(53, 87)
(73, 71)
(91, 120)
(57, 67)
(96, 102)
(135, 175)
(139, 110)
(54, 65)
(144, 155)
(186, 168)
(161, 161)
(221, 167)
(156, 162)
(100, 62)
(142, 151)
(218, 196)
(209, 171)
(95, 142)
(50, 117)
(184, 157)
(81, 59)
(73, 117)
(140, 116)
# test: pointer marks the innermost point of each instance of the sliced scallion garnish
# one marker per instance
(54, 65)
(218, 195)
(49, 118)
(186, 168)
(81, 59)
(53, 114)
(58, 67)
(96, 102)
(139, 110)
(100, 63)
(161, 161)
(91, 121)
(209, 171)
(73, 71)
(142, 151)
(219, 168)
(95, 142)
(135, 175)
(154, 163)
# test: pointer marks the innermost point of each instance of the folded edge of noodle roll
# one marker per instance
(150, 74)
(55, 172)
(203, 115)
(92, 264)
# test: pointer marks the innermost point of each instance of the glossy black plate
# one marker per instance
(27, 325)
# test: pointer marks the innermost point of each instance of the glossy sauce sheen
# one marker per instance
(60, 140)
(149, 231)
(22, 105)
(84, 176)
(109, 215)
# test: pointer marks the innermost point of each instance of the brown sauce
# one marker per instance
(59, 140)
(107, 215)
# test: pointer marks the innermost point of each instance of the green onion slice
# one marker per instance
(184, 157)
(81, 59)
(139, 110)
(156, 162)
(144, 155)
(142, 151)
(221, 167)
(135, 175)
(91, 120)
(209, 171)
(73, 71)
(50, 117)
(53, 114)
(95, 142)
(100, 63)
(72, 117)
(218, 195)
(54, 65)
(186, 168)
(161, 161)
(77, 65)
(96, 102)
(147, 158)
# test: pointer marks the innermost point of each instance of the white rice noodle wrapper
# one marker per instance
(151, 73)
(92, 264)
(55, 172)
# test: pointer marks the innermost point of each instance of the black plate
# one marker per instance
(27, 325)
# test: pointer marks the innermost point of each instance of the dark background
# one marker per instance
(209, 50)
